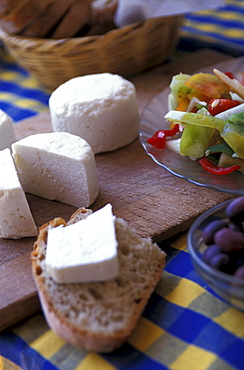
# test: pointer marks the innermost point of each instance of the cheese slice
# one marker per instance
(16, 220)
(57, 166)
(7, 135)
(85, 251)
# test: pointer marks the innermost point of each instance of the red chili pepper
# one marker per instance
(158, 140)
(211, 168)
(216, 106)
(229, 74)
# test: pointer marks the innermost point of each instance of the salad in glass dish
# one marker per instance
(206, 114)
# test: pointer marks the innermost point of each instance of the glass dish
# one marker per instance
(152, 119)
(228, 287)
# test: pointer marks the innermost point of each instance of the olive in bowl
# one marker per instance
(216, 245)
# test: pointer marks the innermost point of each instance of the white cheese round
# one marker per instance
(100, 108)
(57, 166)
(7, 135)
(16, 220)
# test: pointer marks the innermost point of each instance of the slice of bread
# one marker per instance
(6, 6)
(103, 12)
(99, 316)
(43, 24)
(21, 15)
(77, 17)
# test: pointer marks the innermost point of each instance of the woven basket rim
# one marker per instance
(84, 39)
(125, 51)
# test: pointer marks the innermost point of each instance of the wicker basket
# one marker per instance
(125, 51)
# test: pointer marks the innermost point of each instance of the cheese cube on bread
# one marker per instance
(85, 251)
(100, 108)
(7, 135)
(57, 166)
(99, 316)
(16, 220)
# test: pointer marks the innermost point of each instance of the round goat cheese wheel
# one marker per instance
(100, 108)
(7, 134)
(57, 166)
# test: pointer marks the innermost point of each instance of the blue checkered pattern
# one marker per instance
(222, 30)
(185, 326)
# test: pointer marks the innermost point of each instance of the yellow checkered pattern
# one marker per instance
(220, 29)
(20, 94)
(153, 340)
(184, 326)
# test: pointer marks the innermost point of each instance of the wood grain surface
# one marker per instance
(153, 201)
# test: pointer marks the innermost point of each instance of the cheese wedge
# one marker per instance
(85, 251)
(100, 108)
(7, 135)
(57, 166)
(16, 220)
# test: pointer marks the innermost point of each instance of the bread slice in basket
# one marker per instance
(99, 316)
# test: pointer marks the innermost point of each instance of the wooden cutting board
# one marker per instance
(153, 201)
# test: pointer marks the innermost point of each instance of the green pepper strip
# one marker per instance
(159, 138)
(211, 168)
(220, 148)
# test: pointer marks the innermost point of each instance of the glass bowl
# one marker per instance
(152, 120)
(228, 287)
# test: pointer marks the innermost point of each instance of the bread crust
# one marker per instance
(23, 14)
(6, 6)
(78, 335)
(43, 24)
(57, 18)
(102, 20)
(77, 17)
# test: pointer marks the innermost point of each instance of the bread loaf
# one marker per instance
(102, 20)
(22, 14)
(77, 17)
(44, 24)
(7, 5)
(57, 19)
(103, 10)
(99, 316)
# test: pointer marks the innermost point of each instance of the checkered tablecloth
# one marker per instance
(20, 95)
(221, 29)
(185, 326)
